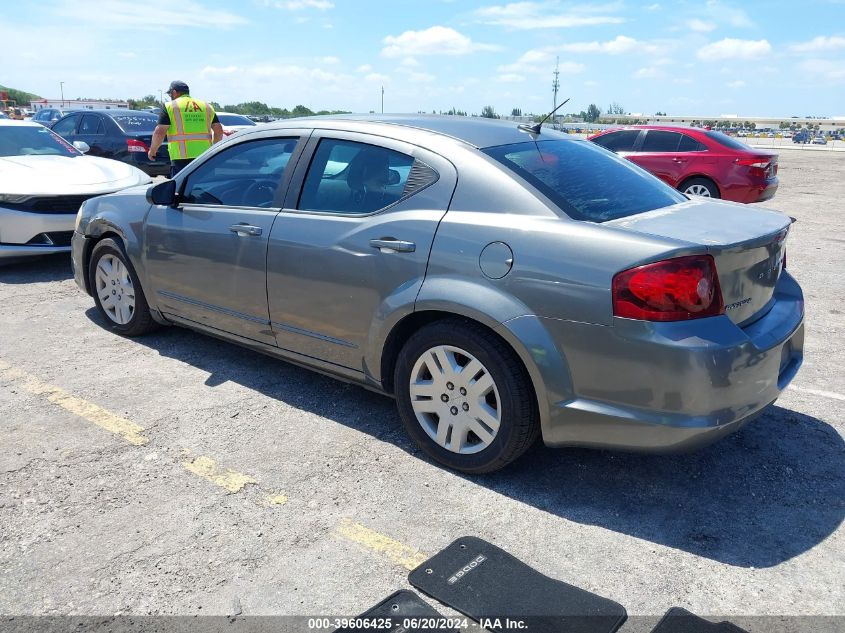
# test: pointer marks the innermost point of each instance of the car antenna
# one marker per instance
(535, 129)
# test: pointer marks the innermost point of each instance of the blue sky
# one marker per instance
(703, 57)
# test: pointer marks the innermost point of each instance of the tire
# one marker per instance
(117, 290)
(700, 187)
(499, 391)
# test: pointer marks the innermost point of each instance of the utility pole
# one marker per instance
(382, 99)
(62, 89)
(556, 83)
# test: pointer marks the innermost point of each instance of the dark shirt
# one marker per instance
(164, 118)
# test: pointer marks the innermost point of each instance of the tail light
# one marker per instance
(676, 289)
(757, 166)
(134, 145)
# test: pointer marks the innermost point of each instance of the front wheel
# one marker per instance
(465, 397)
(117, 290)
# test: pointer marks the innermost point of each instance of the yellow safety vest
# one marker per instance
(189, 134)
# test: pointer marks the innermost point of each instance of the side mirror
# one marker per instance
(82, 146)
(393, 177)
(164, 193)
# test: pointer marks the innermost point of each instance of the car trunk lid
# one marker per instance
(746, 243)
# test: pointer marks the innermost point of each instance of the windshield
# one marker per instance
(136, 123)
(586, 181)
(727, 141)
(24, 140)
(234, 119)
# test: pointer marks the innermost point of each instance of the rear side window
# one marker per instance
(622, 141)
(91, 124)
(356, 178)
(689, 144)
(660, 141)
(727, 141)
(586, 182)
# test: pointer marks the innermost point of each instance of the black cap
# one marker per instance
(179, 86)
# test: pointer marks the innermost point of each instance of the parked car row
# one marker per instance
(44, 179)
(697, 161)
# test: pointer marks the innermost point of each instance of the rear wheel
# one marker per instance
(700, 187)
(117, 290)
(464, 397)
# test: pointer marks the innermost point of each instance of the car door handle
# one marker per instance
(679, 160)
(390, 244)
(245, 229)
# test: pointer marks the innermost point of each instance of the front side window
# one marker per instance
(661, 141)
(584, 181)
(245, 175)
(622, 141)
(357, 178)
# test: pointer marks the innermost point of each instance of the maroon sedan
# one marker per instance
(696, 161)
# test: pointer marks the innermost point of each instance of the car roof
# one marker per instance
(112, 111)
(476, 131)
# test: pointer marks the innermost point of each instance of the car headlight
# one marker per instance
(79, 216)
(14, 198)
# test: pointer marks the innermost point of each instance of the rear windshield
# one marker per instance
(234, 119)
(727, 141)
(136, 123)
(25, 140)
(586, 181)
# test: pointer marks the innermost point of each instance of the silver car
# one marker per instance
(502, 283)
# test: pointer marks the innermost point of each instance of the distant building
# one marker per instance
(76, 104)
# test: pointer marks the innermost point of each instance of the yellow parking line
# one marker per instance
(397, 552)
(275, 500)
(103, 418)
(207, 468)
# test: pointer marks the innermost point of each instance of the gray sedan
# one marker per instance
(501, 282)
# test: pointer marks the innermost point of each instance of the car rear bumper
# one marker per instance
(24, 234)
(667, 387)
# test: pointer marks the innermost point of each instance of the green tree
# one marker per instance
(593, 113)
(516, 112)
(489, 113)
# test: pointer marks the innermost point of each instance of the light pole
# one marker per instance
(382, 99)
(62, 89)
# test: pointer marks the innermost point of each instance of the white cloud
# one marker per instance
(437, 40)
(621, 45)
(728, 14)
(299, 5)
(824, 69)
(424, 78)
(540, 61)
(510, 78)
(542, 15)
(410, 62)
(820, 43)
(739, 83)
(330, 60)
(127, 55)
(700, 25)
(649, 72)
(365, 68)
(127, 14)
(653, 7)
(377, 78)
(730, 48)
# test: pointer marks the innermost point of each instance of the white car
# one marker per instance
(234, 122)
(43, 182)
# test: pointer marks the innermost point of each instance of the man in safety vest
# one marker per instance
(191, 127)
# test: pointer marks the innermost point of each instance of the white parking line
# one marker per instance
(818, 392)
